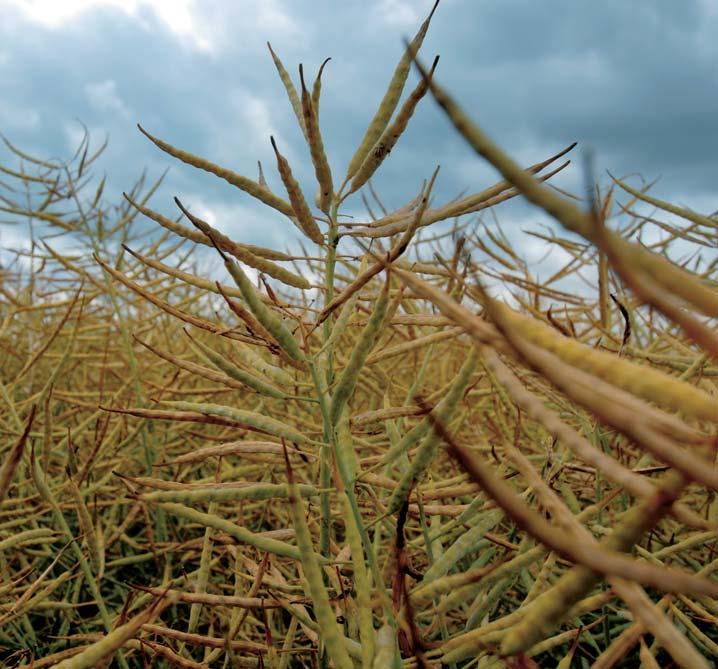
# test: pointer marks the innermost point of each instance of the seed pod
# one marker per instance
(243, 183)
(330, 633)
(316, 148)
(640, 380)
(267, 318)
(87, 527)
(390, 99)
(251, 419)
(289, 87)
(463, 545)
(317, 88)
(427, 449)
(242, 254)
(364, 344)
(301, 213)
(391, 135)
(197, 236)
(231, 370)
(260, 542)
(251, 359)
(227, 492)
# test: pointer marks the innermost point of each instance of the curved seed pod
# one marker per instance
(40, 534)
(251, 419)
(427, 449)
(250, 358)
(267, 318)
(227, 492)
(365, 343)
(672, 278)
(230, 369)
(261, 264)
(330, 633)
(263, 543)
(387, 652)
(87, 528)
(316, 148)
(345, 453)
(198, 237)
(361, 583)
(444, 409)
(317, 87)
(641, 380)
(391, 135)
(243, 183)
(300, 209)
(390, 100)
(112, 642)
(463, 545)
(289, 87)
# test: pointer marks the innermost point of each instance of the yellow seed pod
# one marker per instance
(316, 148)
(300, 209)
(289, 87)
(390, 100)
(243, 183)
(242, 254)
(641, 380)
(391, 135)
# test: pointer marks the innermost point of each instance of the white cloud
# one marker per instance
(15, 118)
(103, 97)
(179, 16)
(400, 12)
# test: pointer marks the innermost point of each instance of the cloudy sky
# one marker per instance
(637, 82)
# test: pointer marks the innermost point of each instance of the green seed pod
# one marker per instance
(364, 345)
(251, 359)
(427, 449)
(253, 420)
(227, 492)
(267, 318)
(330, 633)
(231, 370)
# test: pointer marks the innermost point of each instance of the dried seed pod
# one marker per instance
(199, 237)
(289, 87)
(316, 148)
(301, 213)
(242, 254)
(390, 100)
(391, 135)
(243, 183)
(251, 419)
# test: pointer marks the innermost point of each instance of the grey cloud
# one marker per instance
(634, 81)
